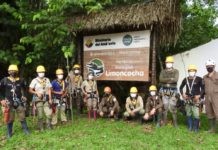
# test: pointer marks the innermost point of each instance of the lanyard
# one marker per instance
(190, 87)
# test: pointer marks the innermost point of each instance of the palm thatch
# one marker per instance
(163, 16)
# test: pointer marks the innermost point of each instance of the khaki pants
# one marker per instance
(59, 109)
(211, 106)
(140, 112)
(43, 109)
(20, 113)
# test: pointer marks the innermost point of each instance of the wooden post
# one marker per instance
(153, 60)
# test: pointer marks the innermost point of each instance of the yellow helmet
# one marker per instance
(169, 59)
(59, 71)
(13, 68)
(76, 66)
(192, 67)
(152, 88)
(40, 68)
(133, 90)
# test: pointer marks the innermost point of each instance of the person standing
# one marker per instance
(41, 88)
(194, 92)
(59, 98)
(168, 82)
(14, 97)
(211, 95)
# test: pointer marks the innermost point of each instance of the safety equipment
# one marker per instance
(13, 68)
(40, 68)
(59, 71)
(152, 88)
(191, 73)
(133, 90)
(60, 76)
(169, 65)
(41, 74)
(133, 95)
(76, 71)
(169, 59)
(210, 62)
(153, 93)
(192, 67)
(76, 66)
(107, 89)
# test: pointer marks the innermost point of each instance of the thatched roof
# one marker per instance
(162, 15)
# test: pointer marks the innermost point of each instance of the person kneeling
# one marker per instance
(134, 105)
(154, 104)
(109, 106)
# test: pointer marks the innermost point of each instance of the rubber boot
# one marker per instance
(94, 114)
(190, 123)
(9, 129)
(40, 124)
(89, 114)
(25, 127)
(196, 125)
(158, 120)
(165, 117)
(48, 122)
(212, 126)
(175, 121)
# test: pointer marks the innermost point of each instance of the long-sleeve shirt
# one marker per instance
(134, 104)
(169, 78)
(109, 102)
(153, 102)
(196, 86)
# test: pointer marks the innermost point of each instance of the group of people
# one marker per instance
(53, 98)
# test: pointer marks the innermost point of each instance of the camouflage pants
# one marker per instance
(169, 103)
(106, 110)
(59, 109)
(43, 108)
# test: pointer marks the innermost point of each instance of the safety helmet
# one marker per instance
(152, 88)
(107, 89)
(133, 90)
(59, 71)
(192, 67)
(13, 68)
(40, 68)
(76, 66)
(210, 62)
(169, 59)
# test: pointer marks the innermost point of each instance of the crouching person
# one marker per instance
(109, 106)
(13, 89)
(134, 105)
(154, 106)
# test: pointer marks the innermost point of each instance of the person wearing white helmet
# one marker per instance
(211, 95)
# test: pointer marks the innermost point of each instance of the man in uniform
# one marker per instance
(41, 88)
(13, 89)
(194, 91)
(109, 105)
(211, 95)
(168, 81)
(154, 106)
(134, 105)
(75, 86)
(59, 98)
(90, 90)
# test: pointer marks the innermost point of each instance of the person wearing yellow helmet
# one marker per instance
(194, 92)
(154, 106)
(134, 105)
(109, 105)
(90, 91)
(168, 81)
(40, 87)
(75, 79)
(14, 99)
(211, 93)
(59, 92)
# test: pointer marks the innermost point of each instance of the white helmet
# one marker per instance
(210, 62)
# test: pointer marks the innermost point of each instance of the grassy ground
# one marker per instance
(106, 134)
